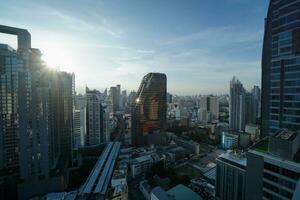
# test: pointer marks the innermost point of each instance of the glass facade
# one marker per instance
(281, 67)
(150, 107)
(12, 74)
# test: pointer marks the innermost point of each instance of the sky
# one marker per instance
(199, 44)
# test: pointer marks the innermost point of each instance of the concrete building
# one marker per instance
(208, 108)
(114, 97)
(231, 176)
(190, 145)
(140, 165)
(274, 167)
(76, 130)
(237, 105)
(94, 134)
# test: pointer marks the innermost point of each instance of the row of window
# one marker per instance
(286, 62)
(286, 69)
(286, 90)
(282, 171)
(286, 76)
(286, 28)
(280, 181)
(285, 111)
(286, 97)
(281, 3)
(286, 19)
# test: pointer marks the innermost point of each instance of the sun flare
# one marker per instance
(56, 55)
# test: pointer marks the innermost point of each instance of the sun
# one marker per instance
(56, 55)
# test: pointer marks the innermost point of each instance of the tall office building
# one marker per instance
(256, 105)
(105, 122)
(14, 76)
(76, 130)
(123, 100)
(150, 107)
(94, 134)
(80, 106)
(61, 105)
(118, 98)
(113, 97)
(31, 95)
(280, 67)
(231, 176)
(208, 108)
(237, 105)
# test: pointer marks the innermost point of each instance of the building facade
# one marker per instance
(237, 102)
(231, 176)
(94, 133)
(150, 107)
(35, 146)
(280, 67)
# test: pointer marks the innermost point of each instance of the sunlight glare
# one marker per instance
(56, 55)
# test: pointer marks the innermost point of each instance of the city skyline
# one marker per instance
(122, 48)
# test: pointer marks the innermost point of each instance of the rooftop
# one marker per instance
(285, 134)
(160, 193)
(120, 189)
(262, 146)
(181, 192)
(143, 158)
(235, 157)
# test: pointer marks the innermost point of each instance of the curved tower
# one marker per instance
(281, 67)
(150, 107)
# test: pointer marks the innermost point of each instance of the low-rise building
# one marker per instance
(190, 145)
(229, 140)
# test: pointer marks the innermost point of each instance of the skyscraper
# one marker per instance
(150, 107)
(113, 97)
(280, 67)
(80, 106)
(61, 104)
(237, 105)
(208, 108)
(36, 107)
(94, 134)
(13, 75)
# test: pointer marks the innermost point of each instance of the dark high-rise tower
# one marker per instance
(281, 67)
(149, 108)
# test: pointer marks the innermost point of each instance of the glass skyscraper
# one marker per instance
(281, 67)
(150, 107)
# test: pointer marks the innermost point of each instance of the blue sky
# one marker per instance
(199, 44)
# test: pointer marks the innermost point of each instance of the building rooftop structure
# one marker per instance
(235, 158)
(285, 134)
(284, 144)
(24, 37)
(160, 194)
(181, 192)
